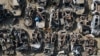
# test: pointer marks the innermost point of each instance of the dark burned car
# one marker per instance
(28, 16)
(4, 13)
(63, 44)
(1, 8)
(21, 39)
(62, 19)
(14, 40)
(54, 19)
(77, 50)
(69, 20)
(4, 38)
(84, 25)
(37, 43)
(91, 47)
(42, 2)
(77, 43)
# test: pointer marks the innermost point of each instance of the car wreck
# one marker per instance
(95, 6)
(79, 6)
(49, 27)
(95, 25)
(42, 2)
(68, 18)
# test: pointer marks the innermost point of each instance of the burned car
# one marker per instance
(4, 13)
(69, 20)
(49, 46)
(63, 44)
(28, 16)
(20, 38)
(42, 2)
(55, 20)
(1, 9)
(77, 50)
(91, 45)
(55, 2)
(84, 24)
(77, 43)
(37, 43)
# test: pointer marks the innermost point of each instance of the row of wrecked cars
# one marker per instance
(64, 15)
(50, 43)
(56, 15)
(11, 40)
(53, 15)
(91, 25)
(60, 16)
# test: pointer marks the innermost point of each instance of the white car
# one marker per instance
(51, 15)
(16, 8)
(95, 25)
(95, 6)
(96, 0)
(79, 6)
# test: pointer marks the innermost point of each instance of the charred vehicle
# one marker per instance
(42, 2)
(69, 20)
(91, 45)
(84, 25)
(37, 43)
(28, 16)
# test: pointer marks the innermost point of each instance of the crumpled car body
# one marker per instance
(95, 6)
(79, 6)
